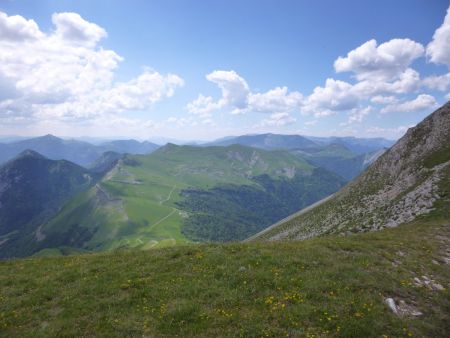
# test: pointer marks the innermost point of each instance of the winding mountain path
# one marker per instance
(169, 196)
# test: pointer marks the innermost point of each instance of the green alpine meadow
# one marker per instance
(225, 169)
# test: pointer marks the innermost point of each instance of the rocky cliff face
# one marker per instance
(403, 183)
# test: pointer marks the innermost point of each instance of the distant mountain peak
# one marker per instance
(169, 146)
(30, 153)
(50, 137)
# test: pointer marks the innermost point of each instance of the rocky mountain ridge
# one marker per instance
(402, 184)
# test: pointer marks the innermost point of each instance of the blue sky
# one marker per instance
(137, 68)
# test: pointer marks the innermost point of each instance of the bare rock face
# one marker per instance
(400, 185)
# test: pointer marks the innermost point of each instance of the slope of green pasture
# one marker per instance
(325, 287)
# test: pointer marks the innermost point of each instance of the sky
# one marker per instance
(201, 70)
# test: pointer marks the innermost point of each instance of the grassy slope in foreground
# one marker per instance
(328, 287)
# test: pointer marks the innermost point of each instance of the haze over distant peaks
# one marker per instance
(80, 152)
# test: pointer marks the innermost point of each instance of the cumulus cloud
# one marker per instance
(66, 75)
(143, 91)
(203, 106)
(71, 27)
(275, 100)
(421, 102)
(239, 99)
(438, 82)
(379, 99)
(335, 96)
(406, 82)
(16, 28)
(384, 62)
(358, 114)
(234, 88)
(438, 50)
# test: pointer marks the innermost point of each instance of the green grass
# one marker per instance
(324, 287)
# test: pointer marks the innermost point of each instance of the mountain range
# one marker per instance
(345, 156)
(167, 195)
(270, 141)
(79, 152)
(177, 194)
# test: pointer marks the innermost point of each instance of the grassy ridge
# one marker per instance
(324, 287)
(138, 204)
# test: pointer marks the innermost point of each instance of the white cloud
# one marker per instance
(358, 114)
(16, 28)
(237, 97)
(447, 97)
(203, 106)
(140, 93)
(438, 50)
(234, 88)
(277, 120)
(66, 75)
(439, 82)
(383, 62)
(335, 96)
(421, 102)
(379, 99)
(71, 27)
(275, 100)
(406, 82)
